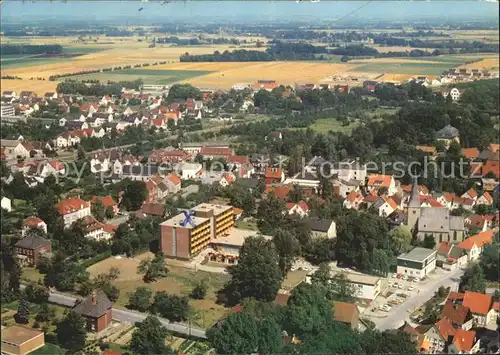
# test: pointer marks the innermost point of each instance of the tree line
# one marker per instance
(7, 49)
(91, 89)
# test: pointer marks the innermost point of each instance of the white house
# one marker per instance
(353, 200)
(417, 263)
(189, 170)
(53, 167)
(377, 182)
(454, 93)
(366, 287)
(72, 209)
(33, 223)
(385, 205)
(6, 204)
(227, 179)
(474, 245)
(481, 308)
(300, 208)
(485, 199)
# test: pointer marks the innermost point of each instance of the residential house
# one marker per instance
(342, 187)
(447, 135)
(53, 167)
(485, 199)
(446, 329)
(300, 208)
(6, 204)
(33, 223)
(470, 153)
(430, 150)
(106, 100)
(385, 205)
(471, 194)
(214, 152)
(267, 85)
(29, 249)
(50, 96)
(479, 222)
(347, 313)
(274, 175)
(19, 340)
(464, 342)
(97, 311)
(189, 170)
(72, 209)
(433, 337)
(451, 256)
(322, 228)
(169, 155)
(107, 202)
(152, 209)
(227, 179)
(370, 85)
(474, 245)
(479, 304)
(459, 315)
(377, 182)
(353, 200)
(94, 229)
(280, 192)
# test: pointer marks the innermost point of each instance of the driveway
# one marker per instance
(424, 290)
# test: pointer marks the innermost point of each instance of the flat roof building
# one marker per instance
(417, 263)
(17, 340)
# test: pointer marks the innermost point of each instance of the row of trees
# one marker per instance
(10, 49)
(79, 88)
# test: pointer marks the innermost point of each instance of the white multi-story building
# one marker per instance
(7, 110)
(72, 209)
(417, 263)
(366, 287)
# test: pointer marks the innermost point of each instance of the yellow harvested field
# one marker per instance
(487, 63)
(38, 86)
(398, 77)
(286, 73)
(385, 49)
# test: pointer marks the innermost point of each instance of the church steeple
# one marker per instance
(415, 196)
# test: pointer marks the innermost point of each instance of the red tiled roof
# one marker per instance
(107, 201)
(379, 180)
(301, 204)
(371, 197)
(445, 328)
(353, 196)
(491, 166)
(390, 202)
(280, 191)
(71, 205)
(230, 178)
(444, 248)
(470, 153)
(479, 303)
(464, 340)
(454, 296)
(479, 240)
(56, 164)
(32, 222)
(426, 149)
(174, 179)
(475, 221)
(471, 193)
(344, 312)
(109, 228)
(172, 115)
(431, 200)
(274, 173)
(238, 159)
(456, 313)
(223, 152)
(155, 209)
(488, 197)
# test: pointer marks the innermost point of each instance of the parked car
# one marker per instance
(400, 286)
(394, 275)
(411, 288)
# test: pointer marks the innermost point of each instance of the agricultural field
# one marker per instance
(287, 73)
(179, 281)
(160, 77)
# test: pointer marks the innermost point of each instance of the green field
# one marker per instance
(49, 349)
(160, 77)
(22, 60)
(435, 65)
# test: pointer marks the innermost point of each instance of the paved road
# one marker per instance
(131, 317)
(399, 314)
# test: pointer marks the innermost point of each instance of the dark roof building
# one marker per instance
(29, 248)
(448, 132)
(96, 309)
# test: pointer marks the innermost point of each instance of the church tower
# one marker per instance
(413, 207)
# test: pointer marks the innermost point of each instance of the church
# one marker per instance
(435, 221)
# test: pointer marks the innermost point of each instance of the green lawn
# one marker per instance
(160, 77)
(27, 61)
(435, 65)
(31, 274)
(83, 49)
(324, 125)
(249, 224)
